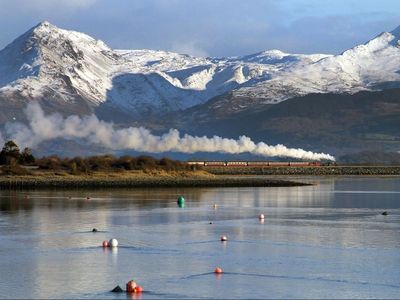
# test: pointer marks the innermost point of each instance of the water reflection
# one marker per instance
(316, 238)
(12, 201)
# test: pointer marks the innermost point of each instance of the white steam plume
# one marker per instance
(46, 127)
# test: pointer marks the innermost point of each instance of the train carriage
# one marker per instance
(257, 163)
(196, 163)
(279, 164)
(215, 163)
(236, 163)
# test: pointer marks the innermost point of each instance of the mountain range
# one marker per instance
(338, 103)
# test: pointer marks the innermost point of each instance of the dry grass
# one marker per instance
(43, 176)
(139, 178)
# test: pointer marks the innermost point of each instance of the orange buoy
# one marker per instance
(131, 286)
(224, 238)
(138, 289)
(105, 244)
(218, 270)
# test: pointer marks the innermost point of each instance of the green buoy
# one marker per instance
(181, 201)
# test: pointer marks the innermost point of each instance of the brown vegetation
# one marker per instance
(109, 163)
(95, 164)
(146, 179)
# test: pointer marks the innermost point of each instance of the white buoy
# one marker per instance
(113, 243)
(261, 217)
(223, 238)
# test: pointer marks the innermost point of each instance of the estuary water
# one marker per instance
(328, 240)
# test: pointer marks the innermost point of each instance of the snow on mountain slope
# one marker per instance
(64, 62)
(70, 66)
(365, 67)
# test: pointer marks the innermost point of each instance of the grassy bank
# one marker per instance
(151, 179)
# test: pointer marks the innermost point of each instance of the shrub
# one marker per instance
(146, 162)
(15, 170)
(27, 157)
(50, 163)
(9, 154)
(126, 163)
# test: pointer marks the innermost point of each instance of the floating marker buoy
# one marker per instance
(106, 244)
(224, 238)
(261, 217)
(113, 243)
(385, 213)
(210, 223)
(87, 198)
(94, 230)
(117, 289)
(215, 206)
(138, 289)
(181, 201)
(131, 286)
(218, 270)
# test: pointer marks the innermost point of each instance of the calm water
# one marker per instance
(324, 241)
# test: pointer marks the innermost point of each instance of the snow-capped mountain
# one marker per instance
(365, 67)
(71, 68)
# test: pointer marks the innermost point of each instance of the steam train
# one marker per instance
(256, 163)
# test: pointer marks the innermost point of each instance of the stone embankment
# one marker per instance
(313, 171)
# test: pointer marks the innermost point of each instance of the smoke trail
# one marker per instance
(46, 127)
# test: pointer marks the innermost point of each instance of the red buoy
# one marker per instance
(218, 270)
(131, 286)
(138, 289)
(105, 244)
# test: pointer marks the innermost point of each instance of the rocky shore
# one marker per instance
(312, 171)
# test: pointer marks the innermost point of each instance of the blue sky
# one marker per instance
(210, 27)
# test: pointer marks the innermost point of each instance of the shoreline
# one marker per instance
(207, 177)
(77, 182)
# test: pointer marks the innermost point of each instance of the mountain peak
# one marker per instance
(44, 24)
(49, 35)
(44, 27)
